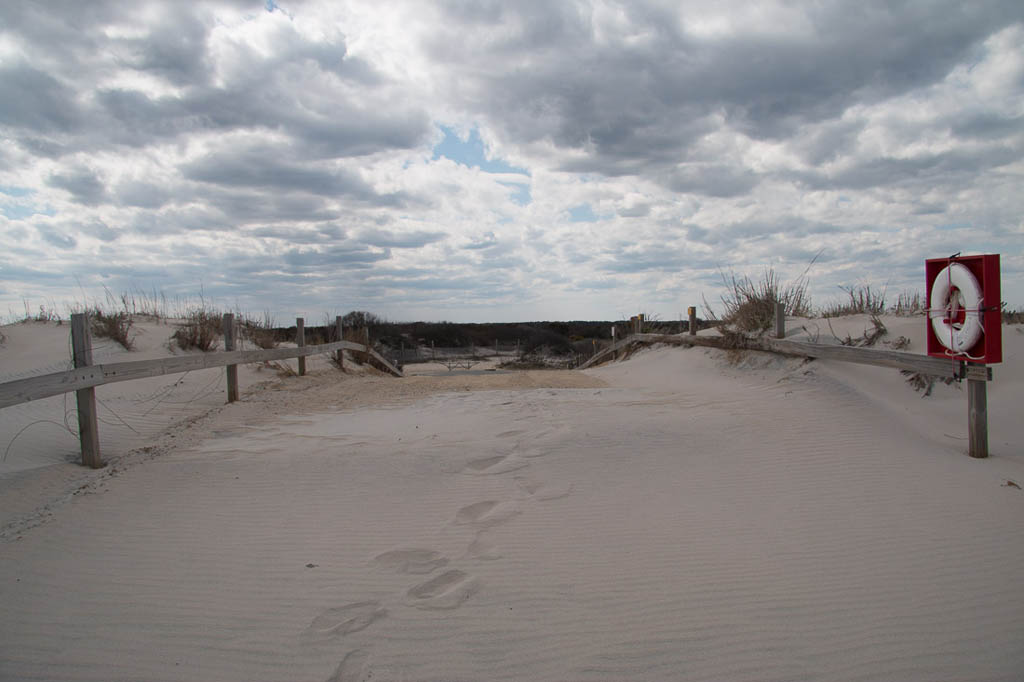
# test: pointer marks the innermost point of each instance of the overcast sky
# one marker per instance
(497, 160)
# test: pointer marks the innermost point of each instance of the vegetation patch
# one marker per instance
(909, 303)
(923, 383)
(860, 300)
(750, 304)
(113, 326)
(199, 331)
(45, 314)
(260, 331)
(870, 336)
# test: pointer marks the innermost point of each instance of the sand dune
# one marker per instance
(679, 515)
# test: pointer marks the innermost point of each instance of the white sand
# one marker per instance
(673, 516)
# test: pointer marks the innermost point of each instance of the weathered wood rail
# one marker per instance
(913, 362)
(976, 375)
(46, 385)
(85, 377)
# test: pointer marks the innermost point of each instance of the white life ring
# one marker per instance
(957, 337)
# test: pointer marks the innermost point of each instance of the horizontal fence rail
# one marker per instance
(911, 362)
(46, 385)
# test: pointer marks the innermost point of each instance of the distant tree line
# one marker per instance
(555, 336)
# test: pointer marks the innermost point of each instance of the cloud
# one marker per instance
(56, 237)
(353, 256)
(84, 184)
(261, 168)
(945, 167)
(988, 126)
(234, 206)
(400, 240)
(142, 194)
(715, 180)
(577, 78)
(32, 100)
(173, 48)
(635, 211)
(488, 240)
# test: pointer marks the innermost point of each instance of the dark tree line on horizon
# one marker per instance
(555, 336)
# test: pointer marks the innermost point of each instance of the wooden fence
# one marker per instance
(976, 375)
(86, 376)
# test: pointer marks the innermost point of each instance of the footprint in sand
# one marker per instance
(351, 667)
(344, 620)
(499, 464)
(550, 434)
(484, 463)
(482, 549)
(487, 513)
(447, 591)
(414, 561)
(544, 492)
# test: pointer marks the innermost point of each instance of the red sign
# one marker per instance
(964, 310)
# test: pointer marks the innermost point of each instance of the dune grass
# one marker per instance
(260, 331)
(200, 329)
(863, 299)
(860, 300)
(113, 326)
(750, 304)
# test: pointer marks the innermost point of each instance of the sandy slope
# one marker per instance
(674, 516)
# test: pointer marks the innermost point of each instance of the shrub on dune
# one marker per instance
(114, 326)
(200, 330)
(260, 331)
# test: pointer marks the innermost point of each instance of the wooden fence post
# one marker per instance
(615, 353)
(88, 432)
(692, 312)
(339, 332)
(300, 341)
(229, 345)
(780, 320)
(977, 418)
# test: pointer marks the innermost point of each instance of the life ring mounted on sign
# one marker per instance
(956, 306)
(964, 320)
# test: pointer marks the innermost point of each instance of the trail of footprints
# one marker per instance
(450, 588)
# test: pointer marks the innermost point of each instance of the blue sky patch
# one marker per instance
(13, 209)
(12, 191)
(582, 214)
(470, 153)
(19, 210)
(520, 192)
